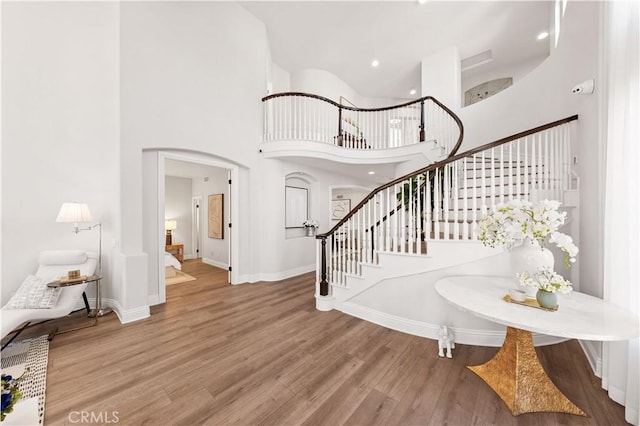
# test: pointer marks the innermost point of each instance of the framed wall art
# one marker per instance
(340, 208)
(216, 216)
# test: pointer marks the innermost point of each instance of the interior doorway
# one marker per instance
(186, 183)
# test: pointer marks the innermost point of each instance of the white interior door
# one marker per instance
(229, 233)
(196, 209)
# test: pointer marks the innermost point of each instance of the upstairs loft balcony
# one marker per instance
(306, 125)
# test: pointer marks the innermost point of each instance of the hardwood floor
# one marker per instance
(262, 354)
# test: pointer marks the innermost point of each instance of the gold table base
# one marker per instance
(516, 375)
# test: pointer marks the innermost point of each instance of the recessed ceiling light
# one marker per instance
(542, 35)
(372, 172)
(422, 1)
(375, 63)
(412, 91)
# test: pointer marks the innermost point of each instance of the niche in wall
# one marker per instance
(486, 89)
(296, 206)
(298, 200)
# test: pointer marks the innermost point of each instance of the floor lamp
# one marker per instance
(77, 213)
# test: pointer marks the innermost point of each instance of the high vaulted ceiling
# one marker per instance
(344, 37)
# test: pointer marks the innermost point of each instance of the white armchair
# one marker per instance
(53, 265)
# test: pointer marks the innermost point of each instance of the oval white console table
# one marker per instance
(515, 373)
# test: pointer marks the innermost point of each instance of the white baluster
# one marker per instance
(518, 161)
(510, 189)
(446, 194)
(436, 203)
(418, 216)
(410, 224)
(502, 173)
(474, 213)
(545, 161)
(483, 183)
(386, 202)
(492, 172)
(454, 198)
(427, 206)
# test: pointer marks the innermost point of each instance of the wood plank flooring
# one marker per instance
(261, 354)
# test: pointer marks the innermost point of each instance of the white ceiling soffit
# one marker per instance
(343, 37)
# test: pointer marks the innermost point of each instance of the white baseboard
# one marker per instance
(422, 329)
(215, 263)
(124, 315)
(593, 354)
(128, 315)
(189, 256)
(282, 275)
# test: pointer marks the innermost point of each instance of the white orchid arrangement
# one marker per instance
(310, 223)
(545, 279)
(511, 223)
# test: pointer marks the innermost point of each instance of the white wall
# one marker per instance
(283, 256)
(153, 227)
(323, 83)
(475, 76)
(192, 77)
(279, 79)
(60, 130)
(441, 77)
(177, 206)
(328, 85)
(544, 95)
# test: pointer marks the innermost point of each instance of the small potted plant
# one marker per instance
(547, 283)
(310, 225)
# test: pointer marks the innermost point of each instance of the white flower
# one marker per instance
(545, 279)
(565, 243)
(310, 223)
(511, 223)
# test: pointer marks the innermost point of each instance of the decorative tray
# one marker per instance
(73, 280)
(67, 281)
(530, 302)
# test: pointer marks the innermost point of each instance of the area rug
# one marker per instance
(180, 277)
(30, 356)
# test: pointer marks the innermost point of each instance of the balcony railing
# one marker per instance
(297, 116)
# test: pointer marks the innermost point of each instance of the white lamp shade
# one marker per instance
(170, 225)
(74, 213)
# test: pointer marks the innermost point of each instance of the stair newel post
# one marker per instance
(324, 285)
(340, 136)
(422, 137)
